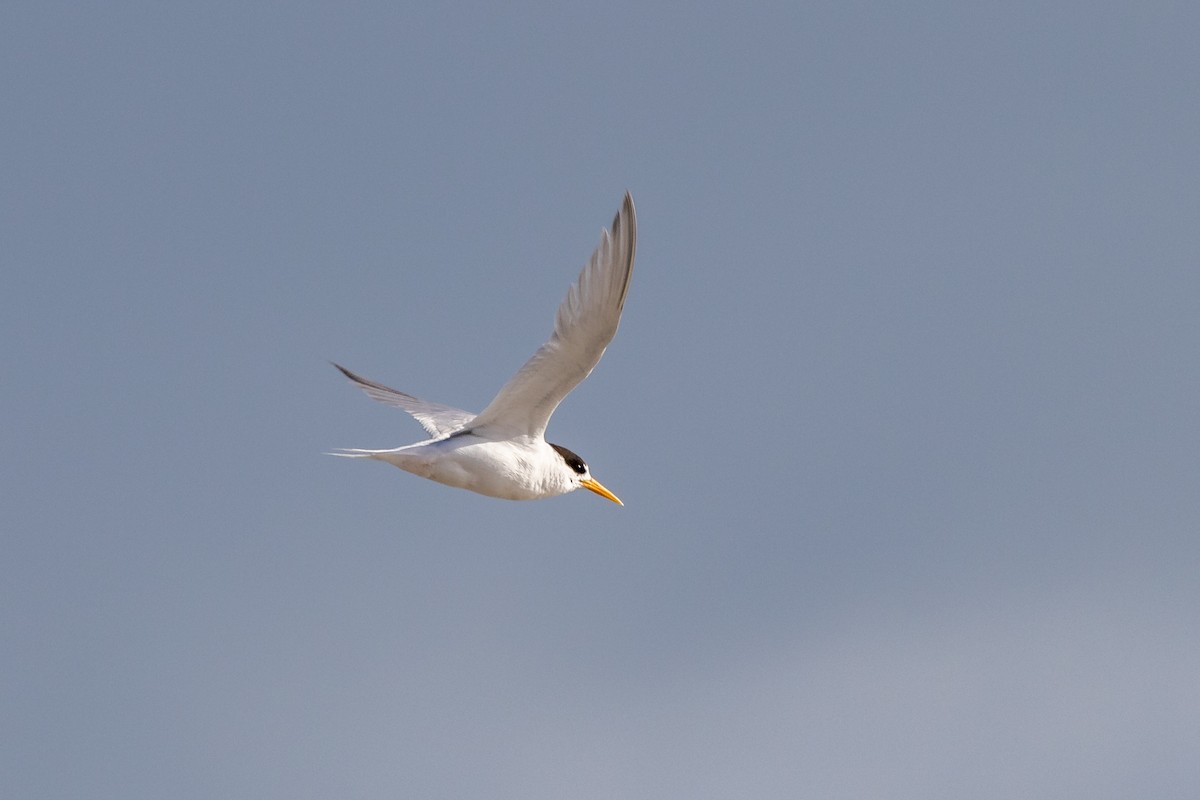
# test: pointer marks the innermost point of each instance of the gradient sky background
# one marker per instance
(903, 407)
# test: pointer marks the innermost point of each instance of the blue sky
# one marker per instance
(902, 408)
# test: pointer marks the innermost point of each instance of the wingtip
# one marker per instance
(346, 372)
(627, 215)
(628, 231)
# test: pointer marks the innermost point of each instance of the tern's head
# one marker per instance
(581, 476)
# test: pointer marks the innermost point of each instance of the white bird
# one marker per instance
(502, 451)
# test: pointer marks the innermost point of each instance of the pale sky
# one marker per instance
(903, 407)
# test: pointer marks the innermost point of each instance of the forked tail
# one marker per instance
(353, 452)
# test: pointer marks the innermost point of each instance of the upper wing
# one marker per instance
(586, 322)
(435, 418)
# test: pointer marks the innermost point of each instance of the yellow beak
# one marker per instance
(599, 489)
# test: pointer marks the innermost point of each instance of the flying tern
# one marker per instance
(502, 451)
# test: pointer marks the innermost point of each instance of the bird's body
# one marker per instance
(502, 452)
(506, 468)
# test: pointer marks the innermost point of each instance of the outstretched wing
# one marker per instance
(435, 418)
(586, 322)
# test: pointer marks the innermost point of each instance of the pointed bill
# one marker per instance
(594, 485)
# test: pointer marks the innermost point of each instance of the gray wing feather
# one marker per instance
(586, 322)
(435, 418)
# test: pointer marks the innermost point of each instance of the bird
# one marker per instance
(502, 451)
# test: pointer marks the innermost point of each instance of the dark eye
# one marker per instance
(571, 460)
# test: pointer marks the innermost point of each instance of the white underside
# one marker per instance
(522, 468)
